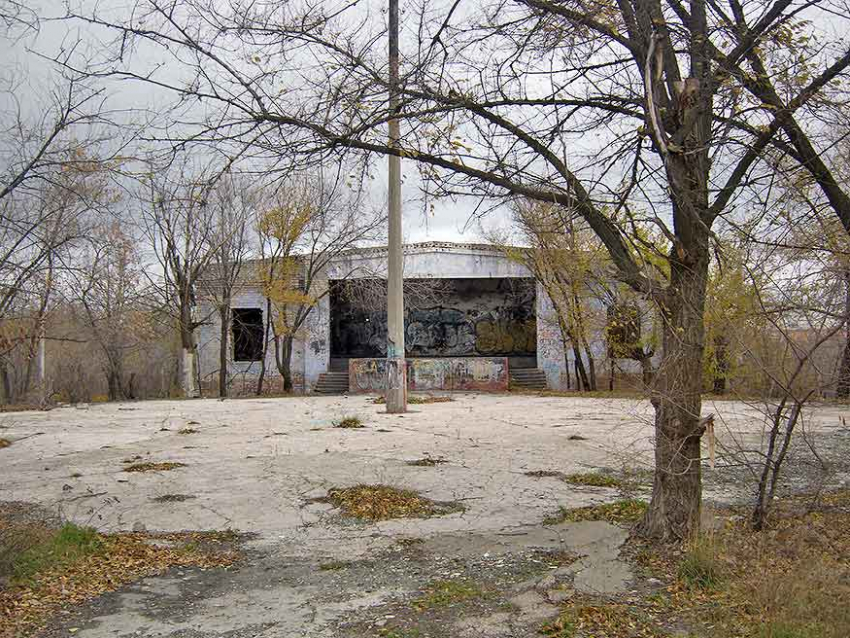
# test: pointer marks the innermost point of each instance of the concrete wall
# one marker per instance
(446, 374)
(312, 353)
(243, 374)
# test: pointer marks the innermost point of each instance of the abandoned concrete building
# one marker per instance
(474, 320)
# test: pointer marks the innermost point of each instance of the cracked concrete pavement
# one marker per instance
(253, 465)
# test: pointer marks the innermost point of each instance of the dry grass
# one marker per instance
(592, 479)
(620, 512)
(427, 461)
(349, 423)
(164, 466)
(791, 580)
(445, 593)
(4, 443)
(383, 502)
(173, 498)
(89, 565)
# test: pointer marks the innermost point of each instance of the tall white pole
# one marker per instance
(396, 394)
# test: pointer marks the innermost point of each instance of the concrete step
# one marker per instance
(528, 379)
(333, 382)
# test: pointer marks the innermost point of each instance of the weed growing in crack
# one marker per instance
(349, 423)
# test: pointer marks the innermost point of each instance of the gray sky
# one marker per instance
(33, 77)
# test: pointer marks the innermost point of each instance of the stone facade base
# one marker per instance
(476, 374)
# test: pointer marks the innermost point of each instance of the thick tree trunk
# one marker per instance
(674, 511)
(223, 350)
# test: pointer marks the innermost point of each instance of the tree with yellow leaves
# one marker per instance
(311, 220)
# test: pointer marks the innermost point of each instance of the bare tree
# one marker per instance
(233, 207)
(110, 289)
(179, 225)
(658, 81)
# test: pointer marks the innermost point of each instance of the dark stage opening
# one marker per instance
(443, 318)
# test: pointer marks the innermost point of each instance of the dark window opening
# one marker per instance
(247, 334)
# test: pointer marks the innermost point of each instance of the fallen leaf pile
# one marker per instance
(123, 559)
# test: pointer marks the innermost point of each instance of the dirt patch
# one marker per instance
(4, 443)
(384, 502)
(164, 466)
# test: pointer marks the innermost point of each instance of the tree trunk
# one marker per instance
(285, 361)
(581, 374)
(223, 350)
(266, 333)
(843, 388)
(5, 377)
(188, 355)
(674, 511)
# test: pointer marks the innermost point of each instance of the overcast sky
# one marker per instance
(34, 76)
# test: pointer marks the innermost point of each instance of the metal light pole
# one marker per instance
(396, 367)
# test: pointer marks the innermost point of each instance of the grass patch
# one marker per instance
(592, 479)
(334, 566)
(68, 544)
(414, 399)
(444, 593)
(700, 566)
(164, 466)
(619, 512)
(186, 431)
(349, 423)
(383, 502)
(427, 462)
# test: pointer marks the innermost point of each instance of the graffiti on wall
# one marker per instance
(488, 374)
(474, 317)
